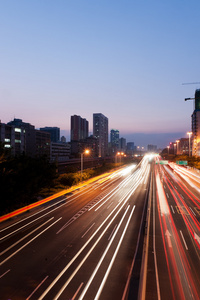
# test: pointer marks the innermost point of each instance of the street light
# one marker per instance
(85, 152)
(189, 133)
(168, 149)
(174, 148)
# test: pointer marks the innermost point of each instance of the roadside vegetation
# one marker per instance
(25, 180)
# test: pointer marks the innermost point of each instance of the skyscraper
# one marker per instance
(114, 138)
(100, 132)
(196, 125)
(79, 128)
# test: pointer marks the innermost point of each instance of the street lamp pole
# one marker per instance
(174, 148)
(86, 152)
(168, 149)
(189, 133)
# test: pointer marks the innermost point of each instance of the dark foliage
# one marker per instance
(21, 178)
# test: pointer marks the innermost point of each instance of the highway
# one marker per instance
(82, 245)
(173, 267)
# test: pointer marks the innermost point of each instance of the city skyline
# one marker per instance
(125, 60)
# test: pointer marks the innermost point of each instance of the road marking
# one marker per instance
(104, 254)
(192, 211)
(37, 288)
(77, 291)
(167, 195)
(5, 273)
(182, 210)
(112, 232)
(87, 230)
(186, 247)
(172, 209)
(110, 205)
(88, 241)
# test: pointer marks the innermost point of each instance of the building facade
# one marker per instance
(13, 139)
(79, 128)
(196, 126)
(37, 143)
(100, 132)
(54, 133)
(122, 144)
(59, 151)
(114, 140)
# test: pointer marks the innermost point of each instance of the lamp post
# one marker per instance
(177, 151)
(168, 149)
(85, 152)
(189, 133)
(174, 148)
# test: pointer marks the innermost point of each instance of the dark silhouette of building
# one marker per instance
(196, 125)
(100, 132)
(54, 133)
(79, 128)
(13, 139)
(114, 140)
(37, 142)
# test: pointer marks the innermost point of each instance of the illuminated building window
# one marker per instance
(18, 130)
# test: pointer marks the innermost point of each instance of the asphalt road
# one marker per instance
(173, 268)
(79, 246)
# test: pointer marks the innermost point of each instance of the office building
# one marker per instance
(122, 144)
(100, 132)
(79, 128)
(37, 142)
(13, 139)
(196, 125)
(130, 148)
(54, 133)
(59, 151)
(114, 139)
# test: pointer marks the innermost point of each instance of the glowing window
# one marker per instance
(18, 130)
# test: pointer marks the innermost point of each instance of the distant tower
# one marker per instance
(100, 132)
(79, 128)
(196, 125)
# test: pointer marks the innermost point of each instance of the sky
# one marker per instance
(126, 59)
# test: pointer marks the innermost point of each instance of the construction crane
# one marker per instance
(190, 83)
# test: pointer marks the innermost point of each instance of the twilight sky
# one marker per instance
(126, 59)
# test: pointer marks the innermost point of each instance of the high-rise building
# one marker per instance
(79, 128)
(100, 132)
(54, 133)
(114, 138)
(122, 144)
(196, 125)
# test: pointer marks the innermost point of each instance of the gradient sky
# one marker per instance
(125, 59)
